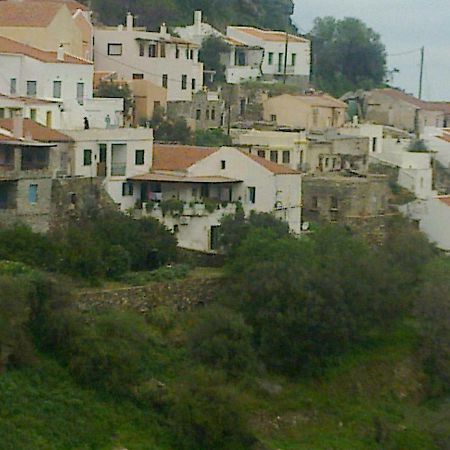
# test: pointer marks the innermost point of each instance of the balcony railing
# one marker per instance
(118, 169)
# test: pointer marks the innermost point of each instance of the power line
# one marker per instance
(408, 52)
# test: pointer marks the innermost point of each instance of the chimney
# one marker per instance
(163, 30)
(60, 53)
(18, 125)
(198, 22)
(130, 22)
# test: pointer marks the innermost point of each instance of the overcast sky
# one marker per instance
(404, 25)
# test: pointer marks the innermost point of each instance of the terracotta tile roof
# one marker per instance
(171, 178)
(73, 5)
(441, 106)
(445, 137)
(319, 100)
(8, 46)
(275, 168)
(408, 98)
(19, 14)
(36, 131)
(5, 137)
(445, 199)
(178, 157)
(31, 100)
(270, 36)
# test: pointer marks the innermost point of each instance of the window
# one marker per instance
(204, 191)
(165, 80)
(31, 88)
(334, 203)
(207, 114)
(139, 157)
(115, 49)
(274, 156)
(191, 54)
(273, 117)
(48, 119)
(176, 228)
(127, 189)
(252, 194)
(32, 193)
(270, 58)
(194, 84)
(162, 50)
(315, 203)
(80, 93)
(141, 49)
(198, 114)
(184, 82)
(215, 237)
(315, 116)
(223, 164)
(2, 113)
(87, 157)
(280, 61)
(374, 144)
(33, 114)
(286, 156)
(293, 59)
(213, 114)
(152, 50)
(138, 76)
(13, 86)
(177, 52)
(262, 153)
(57, 85)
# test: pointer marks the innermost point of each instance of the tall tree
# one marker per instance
(347, 55)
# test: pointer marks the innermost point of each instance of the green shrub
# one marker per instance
(162, 274)
(172, 206)
(220, 338)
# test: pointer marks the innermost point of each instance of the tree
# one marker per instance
(110, 89)
(347, 55)
(209, 55)
(212, 138)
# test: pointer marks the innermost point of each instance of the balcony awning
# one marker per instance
(169, 178)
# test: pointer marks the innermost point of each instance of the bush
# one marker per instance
(221, 339)
(162, 274)
(205, 415)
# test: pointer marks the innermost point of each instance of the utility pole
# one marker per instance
(285, 57)
(422, 58)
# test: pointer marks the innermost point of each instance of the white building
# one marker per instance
(115, 155)
(372, 131)
(190, 189)
(282, 147)
(54, 78)
(433, 217)
(134, 53)
(242, 62)
(298, 60)
(438, 140)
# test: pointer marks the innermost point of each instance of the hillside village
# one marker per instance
(302, 155)
(200, 249)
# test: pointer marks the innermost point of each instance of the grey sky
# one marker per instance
(403, 25)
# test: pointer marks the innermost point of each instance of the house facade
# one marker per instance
(55, 76)
(276, 64)
(316, 112)
(190, 189)
(136, 54)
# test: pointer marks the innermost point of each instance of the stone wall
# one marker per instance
(182, 295)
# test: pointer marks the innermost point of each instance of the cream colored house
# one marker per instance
(308, 112)
(205, 184)
(46, 25)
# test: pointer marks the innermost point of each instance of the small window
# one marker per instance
(162, 50)
(32, 193)
(80, 93)
(138, 76)
(184, 82)
(191, 54)
(177, 52)
(127, 189)
(286, 157)
(252, 195)
(198, 114)
(262, 153)
(270, 58)
(152, 50)
(334, 203)
(13, 86)
(215, 237)
(115, 49)
(213, 114)
(374, 144)
(57, 88)
(273, 118)
(139, 157)
(165, 80)
(293, 59)
(194, 84)
(141, 49)
(31, 88)
(33, 114)
(223, 164)
(274, 156)
(87, 157)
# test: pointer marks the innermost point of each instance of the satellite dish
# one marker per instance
(305, 226)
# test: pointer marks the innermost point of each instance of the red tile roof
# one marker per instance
(445, 137)
(178, 157)
(8, 46)
(73, 5)
(408, 98)
(36, 131)
(271, 36)
(275, 168)
(20, 14)
(445, 199)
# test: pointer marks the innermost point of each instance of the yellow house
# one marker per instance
(315, 111)
(42, 24)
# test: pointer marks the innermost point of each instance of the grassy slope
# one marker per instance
(41, 408)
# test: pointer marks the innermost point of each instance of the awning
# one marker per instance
(168, 178)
